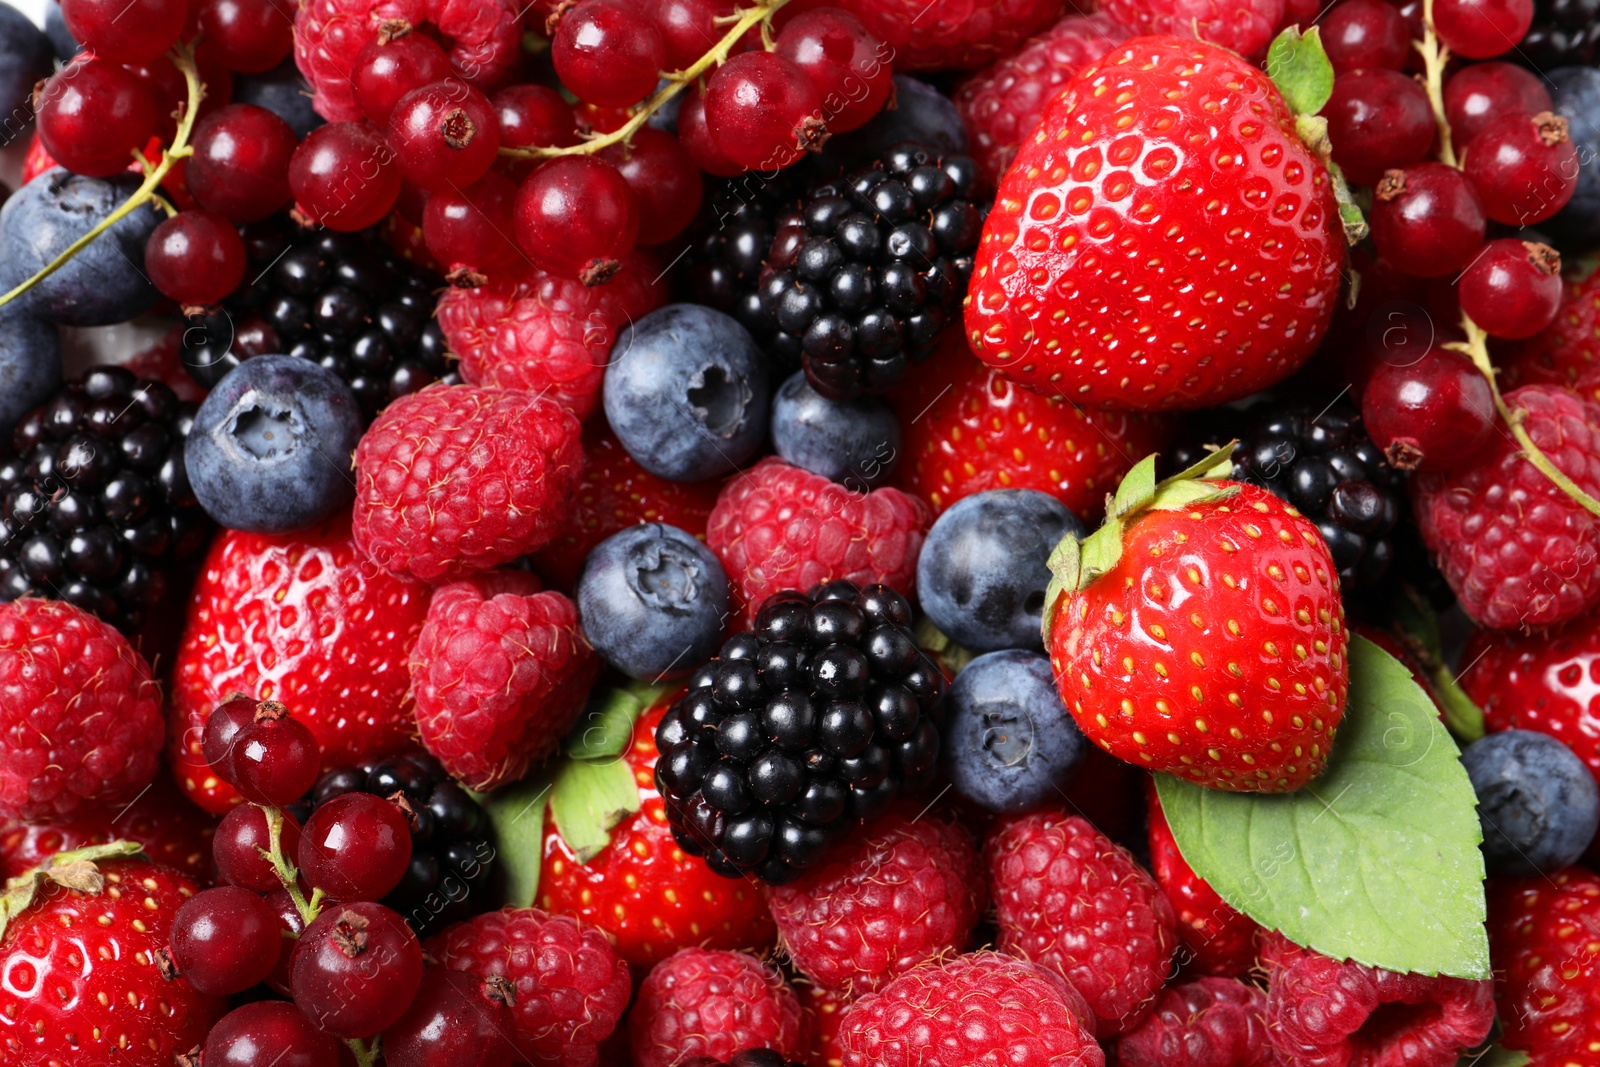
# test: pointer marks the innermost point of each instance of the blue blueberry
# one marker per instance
(1536, 799)
(25, 57)
(856, 442)
(55, 27)
(1009, 743)
(653, 600)
(1575, 95)
(30, 365)
(282, 90)
(982, 575)
(922, 114)
(270, 449)
(105, 282)
(686, 393)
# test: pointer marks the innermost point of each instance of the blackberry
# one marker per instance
(452, 846)
(97, 506)
(811, 724)
(866, 272)
(1565, 33)
(343, 300)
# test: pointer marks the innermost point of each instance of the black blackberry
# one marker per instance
(866, 272)
(807, 726)
(1565, 33)
(343, 300)
(97, 505)
(452, 845)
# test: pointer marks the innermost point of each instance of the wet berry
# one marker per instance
(1427, 220)
(237, 848)
(1378, 120)
(240, 164)
(356, 969)
(356, 847)
(1525, 167)
(576, 216)
(763, 111)
(389, 67)
(93, 113)
(195, 257)
(1480, 92)
(609, 54)
(343, 176)
(225, 940)
(1429, 413)
(1513, 289)
(445, 135)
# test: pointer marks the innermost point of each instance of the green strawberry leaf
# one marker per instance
(517, 815)
(1298, 65)
(1064, 564)
(1350, 216)
(588, 799)
(605, 730)
(1493, 1055)
(936, 643)
(73, 869)
(1136, 489)
(1377, 860)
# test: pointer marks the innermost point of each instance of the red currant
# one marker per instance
(222, 726)
(576, 216)
(1482, 29)
(763, 111)
(695, 136)
(276, 759)
(1524, 167)
(237, 848)
(249, 36)
(444, 135)
(608, 52)
(1513, 289)
(124, 31)
(1377, 120)
(290, 925)
(343, 176)
(195, 258)
(664, 180)
(240, 165)
(170, 91)
(268, 1033)
(456, 1019)
(1478, 93)
(225, 940)
(1429, 413)
(468, 230)
(92, 114)
(534, 116)
(1427, 220)
(356, 969)
(390, 66)
(689, 29)
(847, 64)
(355, 847)
(1365, 35)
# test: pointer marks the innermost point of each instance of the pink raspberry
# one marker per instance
(714, 1003)
(778, 527)
(1323, 1013)
(80, 718)
(1516, 549)
(483, 38)
(1067, 898)
(458, 479)
(1245, 26)
(526, 329)
(895, 896)
(499, 675)
(571, 986)
(982, 1008)
(1001, 105)
(946, 34)
(1210, 1022)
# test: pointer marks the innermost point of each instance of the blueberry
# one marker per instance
(105, 282)
(982, 575)
(1009, 743)
(652, 599)
(55, 28)
(1575, 96)
(30, 365)
(270, 450)
(281, 90)
(686, 393)
(1536, 799)
(26, 56)
(852, 441)
(921, 113)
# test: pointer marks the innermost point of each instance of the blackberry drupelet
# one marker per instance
(1565, 33)
(452, 846)
(343, 300)
(866, 272)
(97, 505)
(811, 724)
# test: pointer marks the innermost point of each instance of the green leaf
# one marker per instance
(1180, 495)
(1064, 570)
(1377, 860)
(1099, 552)
(1213, 466)
(936, 643)
(606, 727)
(1494, 1055)
(1299, 67)
(588, 800)
(1350, 216)
(1135, 489)
(73, 869)
(517, 815)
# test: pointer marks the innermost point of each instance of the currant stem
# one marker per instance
(287, 874)
(366, 1055)
(676, 82)
(183, 58)
(1434, 58)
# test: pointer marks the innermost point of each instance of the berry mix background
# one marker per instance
(758, 533)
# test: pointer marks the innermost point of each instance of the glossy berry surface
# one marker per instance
(123, 32)
(1524, 166)
(248, 36)
(241, 161)
(225, 940)
(195, 257)
(356, 969)
(1428, 220)
(343, 176)
(275, 757)
(1513, 288)
(664, 180)
(608, 53)
(469, 229)
(1482, 29)
(221, 730)
(455, 1019)
(444, 135)
(356, 847)
(390, 67)
(268, 1033)
(1477, 94)
(534, 115)
(93, 113)
(577, 216)
(1377, 119)
(1365, 35)
(763, 110)
(846, 63)
(240, 840)
(1430, 413)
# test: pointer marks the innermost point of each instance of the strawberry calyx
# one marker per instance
(1074, 565)
(74, 869)
(1299, 66)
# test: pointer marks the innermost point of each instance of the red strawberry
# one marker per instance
(1544, 939)
(78, 949)
(1200, 633)
(969, 429)
(640, 887)
(1163, 241)
(1567, 352)
(827, 1012)
(1219, 940)
(303, 619)
(941, 34)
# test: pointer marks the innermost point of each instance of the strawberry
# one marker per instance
(1217, 940)
(1200, 633)
(79, 938)
(1544, 940)
(1164, 240)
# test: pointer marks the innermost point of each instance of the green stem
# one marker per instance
(366, 1055)
(287, 874)
(676, 82)
(1434, 58)
(183, 58)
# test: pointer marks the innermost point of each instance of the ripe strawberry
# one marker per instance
(641, 888)
(968, 429)
(1218, 940)
(303, 619)
(827, 1013)
(1567, 352)
(941, 34)
(1242, 26)
(78, 949)
(1109, 269)
(1544, 939)
(1200, 633)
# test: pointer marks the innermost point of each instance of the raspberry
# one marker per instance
(457, 479)
(1219, 940)
(1069, 899)
(499, 675)
(526, 329)
(571, 986)
(714, 1003)
(943, 34)
(981, 1008)
(1245, 26)
(1516, 549)
(1567, 352)
(173, 831)
(1542, 937)
(896, 896)
(483, 37)
(80, 717)
(1001, 105)
(1210, 1022)
(1323, 1013)
(777, 527)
